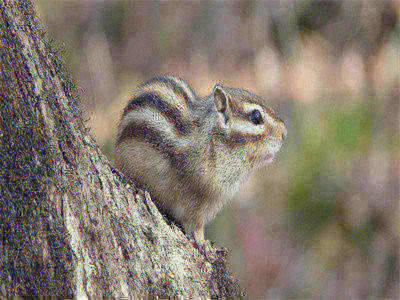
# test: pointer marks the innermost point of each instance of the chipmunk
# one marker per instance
(193, 154)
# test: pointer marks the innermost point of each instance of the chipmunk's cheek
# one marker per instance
(273, 146)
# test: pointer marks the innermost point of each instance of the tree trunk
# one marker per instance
(70, 224)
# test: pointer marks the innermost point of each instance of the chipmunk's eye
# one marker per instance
(256, 117)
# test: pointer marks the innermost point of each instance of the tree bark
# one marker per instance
(71, 224)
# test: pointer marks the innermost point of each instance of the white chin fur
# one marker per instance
(265, 160)
(268, 158)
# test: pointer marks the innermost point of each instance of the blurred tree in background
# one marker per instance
(323, 219)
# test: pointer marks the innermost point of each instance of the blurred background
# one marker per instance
(323, 220)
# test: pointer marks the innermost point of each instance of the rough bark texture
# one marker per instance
(70, 224)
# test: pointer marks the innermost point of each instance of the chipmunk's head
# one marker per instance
(250, 128)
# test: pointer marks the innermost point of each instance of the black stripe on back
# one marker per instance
(171, 113)
(157, 141)
(175, 86)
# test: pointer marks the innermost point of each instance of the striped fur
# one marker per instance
(192, 154)
(166, 98)
(181, 88)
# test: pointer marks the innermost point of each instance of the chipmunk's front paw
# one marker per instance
(205, 247)
(210, 252)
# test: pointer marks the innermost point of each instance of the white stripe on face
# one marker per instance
(249, 107)
(271, 121)
(246, 127)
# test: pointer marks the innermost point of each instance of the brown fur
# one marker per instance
(193, 154)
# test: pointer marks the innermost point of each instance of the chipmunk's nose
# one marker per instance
(283, 131)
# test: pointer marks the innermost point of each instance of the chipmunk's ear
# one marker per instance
(221, 102)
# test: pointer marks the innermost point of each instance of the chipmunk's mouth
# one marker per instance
(268, 157)
(263, 159)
